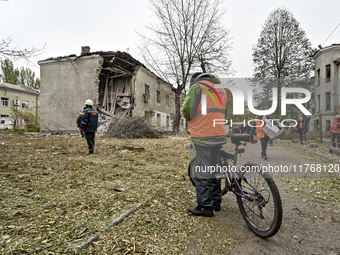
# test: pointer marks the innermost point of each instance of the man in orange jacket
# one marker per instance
(202, 105)
(260, 122)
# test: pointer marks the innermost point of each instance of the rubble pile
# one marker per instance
(131, 127)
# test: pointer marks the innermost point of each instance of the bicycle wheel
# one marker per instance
(260, 203)
(226, 159)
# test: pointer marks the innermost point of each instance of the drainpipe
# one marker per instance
(36, 110)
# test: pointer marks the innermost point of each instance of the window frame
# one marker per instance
(25, 104)
(158, 96)
(328, 101)
(167, 101)
(3, 100)
(328, 73)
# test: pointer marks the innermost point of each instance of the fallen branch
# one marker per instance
(115, 221)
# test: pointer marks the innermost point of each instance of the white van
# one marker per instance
(6, 124)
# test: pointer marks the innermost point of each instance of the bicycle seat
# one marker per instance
(238, 138)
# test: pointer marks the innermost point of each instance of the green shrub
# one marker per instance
(31, 121)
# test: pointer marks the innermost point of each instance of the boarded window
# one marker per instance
(328, 73)
(318, 76)
(148, 116)
(319, 104)
(158, 120)
(328, 101)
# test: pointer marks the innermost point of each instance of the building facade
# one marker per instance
(117, 84)
(18, 97)
(327, 87)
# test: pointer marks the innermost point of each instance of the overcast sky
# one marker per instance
(111, 25)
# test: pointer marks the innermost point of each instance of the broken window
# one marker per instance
(168, 121)
(167, 101)
(147, 93)
(316, 125)
(328, 101)
(328, 73)
(158, 97)
(328, 125)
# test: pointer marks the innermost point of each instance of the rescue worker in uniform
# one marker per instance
(335, 131)
(260, 121)
(201, 106)
(78, 123)
(89, 123)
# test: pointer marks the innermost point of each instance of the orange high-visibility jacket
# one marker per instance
(202, 126)
(259, 127)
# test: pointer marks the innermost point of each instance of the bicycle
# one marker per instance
(257, 195)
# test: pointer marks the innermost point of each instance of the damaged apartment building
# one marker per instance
(118, 85)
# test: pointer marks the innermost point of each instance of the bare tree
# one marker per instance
(13, 53)
(282, 54)
(188, 35)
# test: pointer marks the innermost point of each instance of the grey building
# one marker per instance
(327, 87)
(117, 83)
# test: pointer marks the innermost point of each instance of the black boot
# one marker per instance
(200, 211)
(89, 152)
(217, 208)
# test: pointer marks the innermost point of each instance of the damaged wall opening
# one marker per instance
(116, 85)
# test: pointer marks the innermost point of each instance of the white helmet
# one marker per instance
(88, 102)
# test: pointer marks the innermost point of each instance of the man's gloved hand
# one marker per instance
(81, 130)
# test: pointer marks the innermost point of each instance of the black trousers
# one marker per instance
(264, 144)
(337, 138)
(90, 139)
(208, 188)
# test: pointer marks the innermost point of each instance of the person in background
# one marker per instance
(78, 123)
(302, 129)
(335, 131)
(260, 121)
(89, 123)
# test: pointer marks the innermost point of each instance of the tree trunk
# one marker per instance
(177, 110)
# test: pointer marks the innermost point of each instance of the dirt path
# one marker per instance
(309, 226)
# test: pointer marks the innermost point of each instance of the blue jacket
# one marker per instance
(89, 121)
